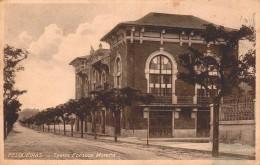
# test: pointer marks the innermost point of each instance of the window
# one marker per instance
(103, 80)
(118, 73)
(86, 90)
(94, 80)
(160, 78)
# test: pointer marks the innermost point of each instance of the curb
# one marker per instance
(248, 157)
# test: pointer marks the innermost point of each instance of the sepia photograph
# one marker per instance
(129, 80)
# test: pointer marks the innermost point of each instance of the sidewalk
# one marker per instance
(200, 145)
(231, 150)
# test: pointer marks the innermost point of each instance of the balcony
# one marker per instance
(181, 100)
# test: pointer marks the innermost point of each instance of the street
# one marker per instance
(25, 143)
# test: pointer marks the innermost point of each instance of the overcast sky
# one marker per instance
(55, 34)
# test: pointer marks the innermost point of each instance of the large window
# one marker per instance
(160, 70)
(118, 72)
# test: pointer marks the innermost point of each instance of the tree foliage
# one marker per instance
(116, 100)
(12, 64)
(222, 71)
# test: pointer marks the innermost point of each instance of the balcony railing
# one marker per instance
(181, 99)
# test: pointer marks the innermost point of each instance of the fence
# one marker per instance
(234, 108)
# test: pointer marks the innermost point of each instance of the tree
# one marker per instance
(222, 71)
(40, 119)
(48, 117)
(72, 122)
(137, 98)
(116, 100)
(81, 108)
(53, 115)
(12, 60)
(63, 112)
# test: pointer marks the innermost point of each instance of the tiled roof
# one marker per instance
(170, 20)
(165, 21)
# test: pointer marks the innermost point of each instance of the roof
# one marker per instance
(99, 52)
(170, 20)
(166, 21)
(78, 58)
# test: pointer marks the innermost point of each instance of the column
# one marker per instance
(174, 99)
(211, 122)
(194, 115)
(173, 112)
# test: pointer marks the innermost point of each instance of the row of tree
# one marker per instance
(114, 100)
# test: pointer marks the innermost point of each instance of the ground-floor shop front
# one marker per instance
(161, 122)
(179, 122)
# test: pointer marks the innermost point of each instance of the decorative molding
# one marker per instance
(132, 34)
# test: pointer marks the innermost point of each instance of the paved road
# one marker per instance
(25, 143)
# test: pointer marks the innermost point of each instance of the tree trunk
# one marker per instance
(64, 125)
(81, 120)
(116, 125)
(5, 129)
(77, 125)
(71, 129)
(95, 125)
(115, 130)
(86, 124)
(8, 127)
(54, 127)
(215, 147)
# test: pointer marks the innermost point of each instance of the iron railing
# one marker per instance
(181, 99)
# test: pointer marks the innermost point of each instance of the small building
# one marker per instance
(144, 54)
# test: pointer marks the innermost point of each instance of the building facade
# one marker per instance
(144, 54)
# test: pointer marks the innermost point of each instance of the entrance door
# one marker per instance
(203, 123)
(160, 124)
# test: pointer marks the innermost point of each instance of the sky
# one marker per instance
(56, 33)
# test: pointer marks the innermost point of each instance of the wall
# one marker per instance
(184, 133)
(140, 133)
(137, 54)
(239, 131)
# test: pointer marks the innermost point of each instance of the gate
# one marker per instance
(160, 124)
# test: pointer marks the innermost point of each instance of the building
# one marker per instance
(144, 55)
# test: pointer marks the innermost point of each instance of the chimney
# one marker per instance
(100, 46)
(91, 50)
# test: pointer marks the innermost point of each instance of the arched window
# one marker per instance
(86, 89)
(79, 87)
(103, 79)
(118, 73)
(160, 76)
(94, 80)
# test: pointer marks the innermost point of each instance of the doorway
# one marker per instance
(203, 123)
(160, 124)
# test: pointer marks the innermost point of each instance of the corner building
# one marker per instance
(144, 54)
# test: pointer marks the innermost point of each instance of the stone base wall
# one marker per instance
(238, 131)
(139, 133)
(110, 130)
(184, 133)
